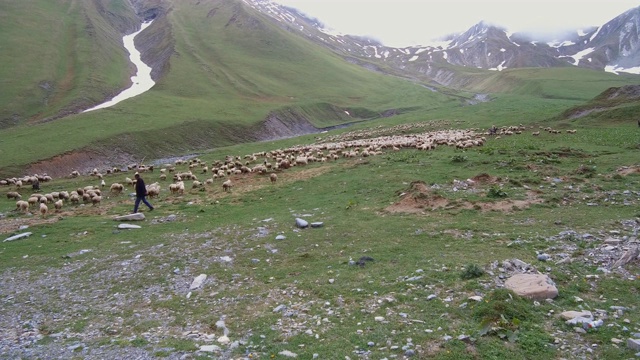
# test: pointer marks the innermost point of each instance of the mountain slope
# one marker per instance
(54, 55)
(227, 72)
(614, 105)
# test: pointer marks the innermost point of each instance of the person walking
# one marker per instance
(141, 193)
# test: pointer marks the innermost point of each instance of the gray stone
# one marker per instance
(279, 308)
(410, 353)
(210, 348)
(302, 223)
(288, 353)
(18, 237)
(568, 315)
(129, 226)
(532, 286)
(633, 344)
(371, 343)
(579, 321)
(317, 224)
(280, 237)
(544, 257)
(198, 281)
(431, 297)
(130, 217)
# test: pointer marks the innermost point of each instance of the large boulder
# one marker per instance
(532, 286)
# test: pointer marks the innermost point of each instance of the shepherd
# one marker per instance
(141, 193)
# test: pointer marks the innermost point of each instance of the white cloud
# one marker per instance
(412, 22)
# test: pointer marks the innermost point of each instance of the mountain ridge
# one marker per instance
(612, 47)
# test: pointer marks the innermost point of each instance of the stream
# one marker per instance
(141, 81)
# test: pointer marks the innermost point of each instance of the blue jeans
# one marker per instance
(144, 200)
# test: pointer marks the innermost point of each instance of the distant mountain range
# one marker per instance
(613, 47)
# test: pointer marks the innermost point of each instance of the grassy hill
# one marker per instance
(228, 70)
(58, 55)
(223, 70)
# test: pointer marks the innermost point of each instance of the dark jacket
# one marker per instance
(141, 189)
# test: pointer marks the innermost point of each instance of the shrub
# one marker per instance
(458, 159)
(496, 192)
(471, 271)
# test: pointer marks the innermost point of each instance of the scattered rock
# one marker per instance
(279, 308)
(568, 315)
(18, 237)
(544, 257)
(431, 297)
(210, 348)
(630, 255)
(224, 340)
(129, 226)
(302, 224)
(288, 353)
(379, 318)
(579, 321)
(532, 286)
(198, 281)
(280, 237)
(317, 224)
(410, 353)
(130, 217)
(633, 344)
(475, 298)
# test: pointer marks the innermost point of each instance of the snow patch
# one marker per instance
(595, 34)
(499, 67)
(616, 70)
(577, 57)
(414, 58)
(558, 44)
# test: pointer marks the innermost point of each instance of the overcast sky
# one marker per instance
(414, 22)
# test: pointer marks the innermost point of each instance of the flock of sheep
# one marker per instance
(261, 163)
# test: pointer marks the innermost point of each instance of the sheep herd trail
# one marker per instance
(141, 81)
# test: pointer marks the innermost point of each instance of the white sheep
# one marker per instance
(95, 200)
(58, 205)
(22, 205)
(43, 209)
(33, 200)
(226, 186)
(116, 188)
